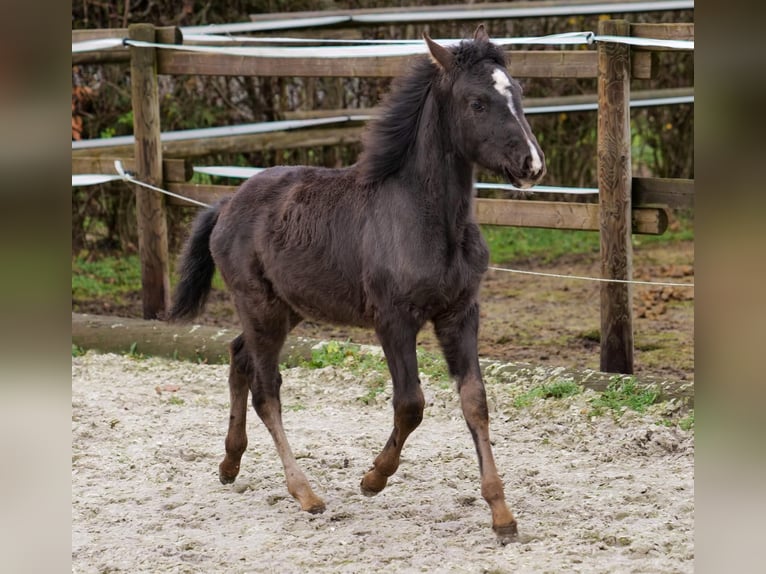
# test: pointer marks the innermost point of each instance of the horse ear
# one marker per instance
(440, 55)
(480, 35)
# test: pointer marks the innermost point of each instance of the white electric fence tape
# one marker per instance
(122, 175)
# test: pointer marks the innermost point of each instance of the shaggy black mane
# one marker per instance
(391, 137)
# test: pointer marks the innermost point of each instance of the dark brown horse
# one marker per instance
(388, 243)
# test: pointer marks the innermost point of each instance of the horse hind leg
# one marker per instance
(268, 335)
(240, 374)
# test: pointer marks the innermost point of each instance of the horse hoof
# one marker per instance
(372, 485)
(507, 534)
(316, 508)
(227, 477)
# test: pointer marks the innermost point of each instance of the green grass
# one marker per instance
(624, 393)
(113, 277)
(372, 365)
(507, 244)
(687, 423)
(555, 390)
(105, 277)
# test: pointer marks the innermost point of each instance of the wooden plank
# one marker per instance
(641, 65)
(113, 56)
(614, 183)
(292, 139)
(674, 193)
(562, 215)
(98, 34)
(177, 170)
(662, 31)
(150, 205)
(523, 63)
(528, 103)
(508, 212)
(550, 214)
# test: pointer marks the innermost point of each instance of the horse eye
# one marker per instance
(477, 106)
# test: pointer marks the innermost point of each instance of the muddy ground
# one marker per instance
(591, 493)
(541, 321)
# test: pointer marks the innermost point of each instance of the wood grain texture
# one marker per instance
(614, 182)
(150, 205)
(522, 63)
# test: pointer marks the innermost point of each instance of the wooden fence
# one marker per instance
(626, 204)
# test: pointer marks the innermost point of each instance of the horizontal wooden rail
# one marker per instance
(673, 193)
(509, 212)
(523, 63)
(661, 31)
(562, 215)
(291, 139)
(529, 103)
(647, 191)
(318, 136)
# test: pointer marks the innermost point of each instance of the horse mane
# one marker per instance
(390, 139)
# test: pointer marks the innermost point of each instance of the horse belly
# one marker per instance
(327, 298)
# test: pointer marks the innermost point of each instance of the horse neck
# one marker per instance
(444, 175)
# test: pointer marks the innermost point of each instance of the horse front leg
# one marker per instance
(457, 334)
(399, 346)
(240, 375)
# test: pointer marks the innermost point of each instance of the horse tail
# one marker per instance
(196, 268)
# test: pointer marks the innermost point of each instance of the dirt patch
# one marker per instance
(540, 320)
(591, 493)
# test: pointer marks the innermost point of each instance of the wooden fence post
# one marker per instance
(150, 205)
(614, 183)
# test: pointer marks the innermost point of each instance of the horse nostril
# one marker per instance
(530, 168)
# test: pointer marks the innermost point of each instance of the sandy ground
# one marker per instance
(591, 494)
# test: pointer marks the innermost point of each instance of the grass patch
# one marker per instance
(77, 351)
(113, 278)
(556, 390)
(624, 393)
(434, 366)
(347, 356)
(687, 423)
(372, 366)
(106, 277)
(350, 357)
(508, 244)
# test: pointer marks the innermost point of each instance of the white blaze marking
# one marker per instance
(503, 85)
